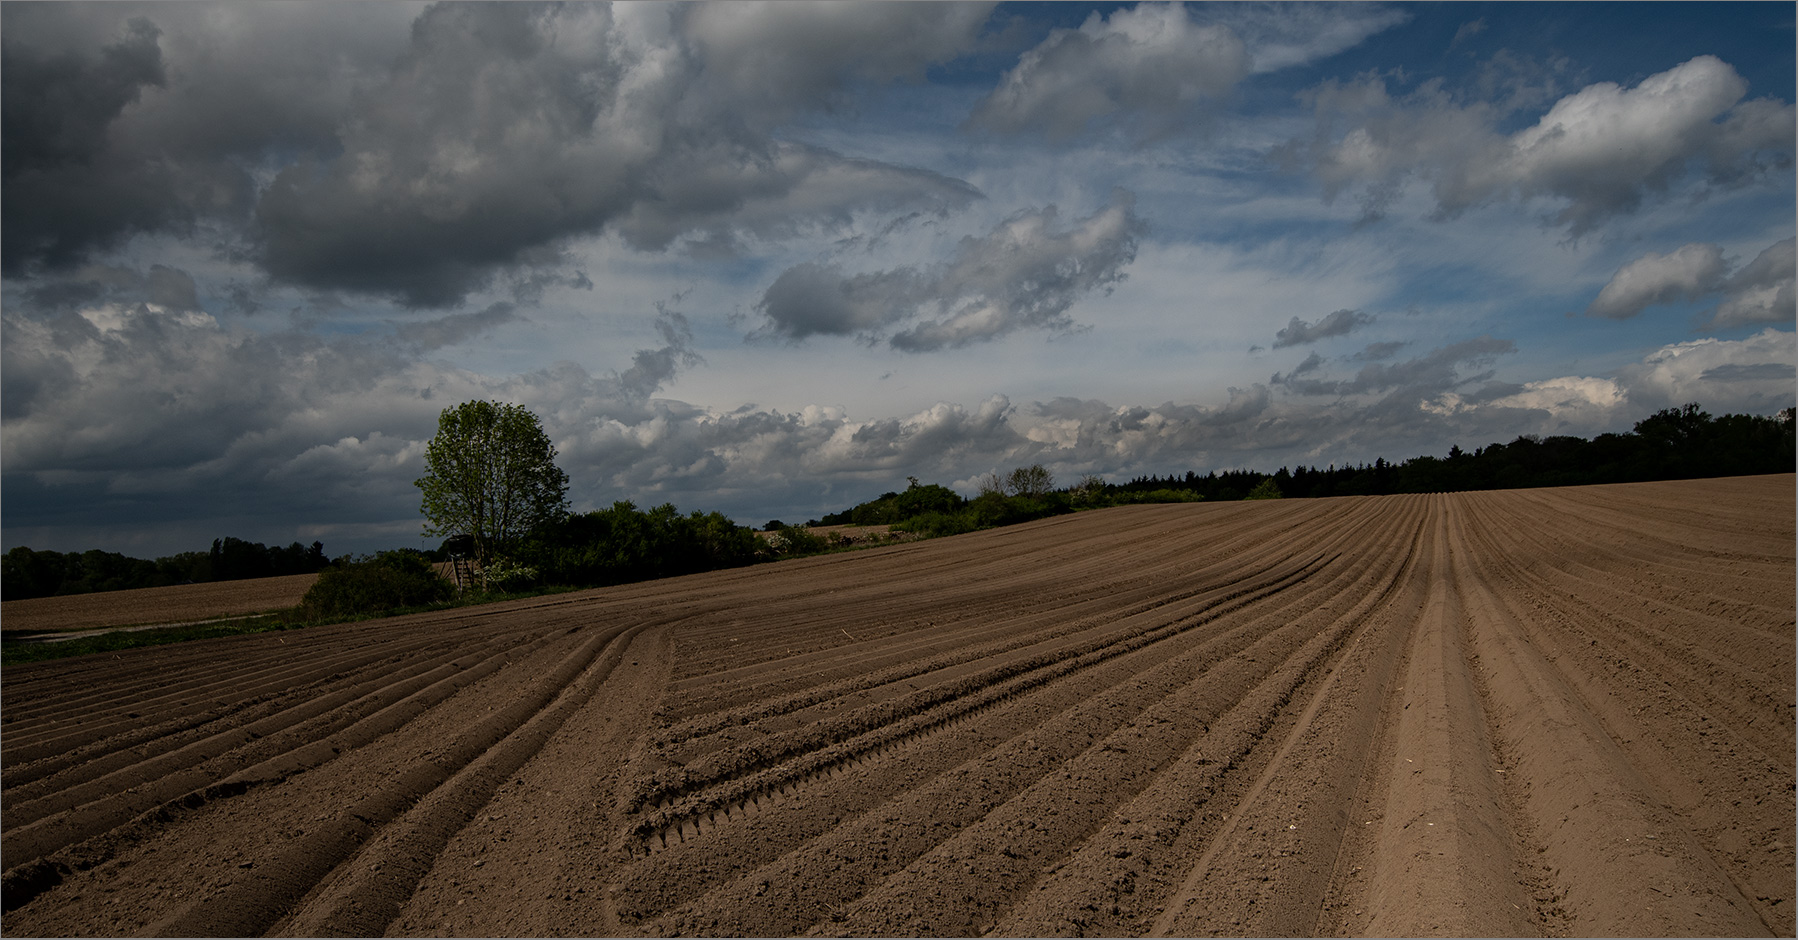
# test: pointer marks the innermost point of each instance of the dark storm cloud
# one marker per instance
(1300, 333)
(64, 190)
(1025, 274)
(463, 157)
(57, 106)
(170, 288)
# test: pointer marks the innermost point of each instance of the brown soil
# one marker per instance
(177, 603)
(1555, 712)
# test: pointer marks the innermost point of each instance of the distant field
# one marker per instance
(179, 603)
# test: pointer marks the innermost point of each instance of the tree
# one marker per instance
(1033, 481)
(1266, 489)
(491, 474)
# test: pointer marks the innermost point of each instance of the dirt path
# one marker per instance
(1554, 712)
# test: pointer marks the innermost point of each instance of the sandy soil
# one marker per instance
(1554, 712)
(177, 603)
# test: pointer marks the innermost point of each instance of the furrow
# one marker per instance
(919, 714)
(161, 799)
(255, 902)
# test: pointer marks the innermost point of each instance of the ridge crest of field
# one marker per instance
(1195, 718)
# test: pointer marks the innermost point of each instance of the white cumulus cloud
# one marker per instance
(1686, 273)
(1597, 153)
(1759, 292)
(1149, 63)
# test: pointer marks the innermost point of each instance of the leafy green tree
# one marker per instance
(1266, 489)
(1033, 481)
(490, 473)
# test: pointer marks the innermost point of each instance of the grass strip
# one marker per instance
(13, 651)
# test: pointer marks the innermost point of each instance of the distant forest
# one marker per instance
(626, 544)
(26, 573)
(1674, 444)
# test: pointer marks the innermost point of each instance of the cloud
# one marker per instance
(1439, 370)
(142, 119)
(1146, 65)
(1753, 374)
(773, 59)
(55, 111)
(1152, 68)
(1377, 352)
(161, 285)
(454, 328)
(1687, 273)
(653, 368)
(1285, 35)
(1759, 292)
(1598, 153)
(1024, 274)
(465, 155)
(1300, 333)
(1467, 31)
(57, 106)
(1312, 363)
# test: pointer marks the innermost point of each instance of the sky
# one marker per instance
(774, 259)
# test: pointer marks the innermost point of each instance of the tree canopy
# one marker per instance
(490, 473)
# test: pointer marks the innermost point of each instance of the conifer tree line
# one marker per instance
(1672, 444)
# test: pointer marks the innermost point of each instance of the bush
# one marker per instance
(938, 523)
(793, 540)
(624, 544)
(1266, 489)
(506, 576)
(374, 585)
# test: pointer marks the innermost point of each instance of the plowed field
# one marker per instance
(172, 604)
(1530, 712)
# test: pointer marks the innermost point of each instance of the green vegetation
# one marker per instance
(624, 544)
(1672, 444)
(490, 474)
(27, 573)
(13, 652)
(386, 581)
(1266, 489)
